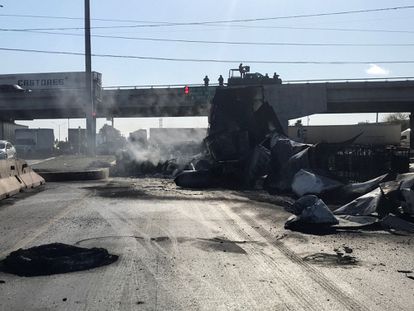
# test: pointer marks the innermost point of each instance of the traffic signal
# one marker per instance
(186, 90)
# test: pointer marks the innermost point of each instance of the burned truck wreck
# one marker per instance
(247, 148)
(237, 147)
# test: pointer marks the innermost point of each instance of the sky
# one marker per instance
(147, 16)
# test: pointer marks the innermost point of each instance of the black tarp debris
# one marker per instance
(257, 166)
(350, 222)
(311, 214)
(397, 223)
(366, 204)
(308, 182)
(386, 207)
(351, 191)
(55, 258)
(407, 192)
(196, 179)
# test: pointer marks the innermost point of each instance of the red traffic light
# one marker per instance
(186, 90)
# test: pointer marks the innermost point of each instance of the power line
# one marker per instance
(211, 60)
(169, 24)
(262, 27)
(79, 18)
(236, 26)
(320, 44)
(321, 28)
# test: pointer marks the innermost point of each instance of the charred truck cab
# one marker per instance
(243, 76)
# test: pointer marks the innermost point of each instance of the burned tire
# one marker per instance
(55, 258)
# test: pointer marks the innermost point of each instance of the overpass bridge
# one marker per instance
(290, 100)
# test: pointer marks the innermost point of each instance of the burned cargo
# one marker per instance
(246, 147)
(237, 142)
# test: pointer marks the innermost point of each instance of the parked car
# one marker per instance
(12, 88)
(7, 150)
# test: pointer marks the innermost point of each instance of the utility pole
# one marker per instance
(90, 107)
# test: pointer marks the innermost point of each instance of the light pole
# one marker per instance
(90, 109)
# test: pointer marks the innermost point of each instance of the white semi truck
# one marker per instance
(30, 142)
(372, 133)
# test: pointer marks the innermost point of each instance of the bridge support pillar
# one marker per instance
(91, 134)
(412, 128)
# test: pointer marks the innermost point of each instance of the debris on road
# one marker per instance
(343, 255)
(344, 249)
(55, 258)
(305, 182)
(362, 206)
(386, 206)
(311, 214)
(394, 222)
(337, 259)
(408, 273)
(246, 148)
(196, 179)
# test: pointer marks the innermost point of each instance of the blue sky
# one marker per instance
(138, 72)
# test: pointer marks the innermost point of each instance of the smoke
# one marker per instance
(167, 150)
(138, 154)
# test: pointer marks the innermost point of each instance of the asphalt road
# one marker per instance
(195, 250)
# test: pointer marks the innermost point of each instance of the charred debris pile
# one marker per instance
(246, 148)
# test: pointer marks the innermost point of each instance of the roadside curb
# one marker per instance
(97, 174)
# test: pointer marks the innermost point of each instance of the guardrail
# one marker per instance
(155, 86)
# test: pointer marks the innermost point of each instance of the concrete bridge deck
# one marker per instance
(290, 100)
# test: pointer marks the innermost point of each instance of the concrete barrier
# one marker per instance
(10, 184)
(16, 175)
(30, 178)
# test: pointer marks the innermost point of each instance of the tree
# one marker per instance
(398, 118)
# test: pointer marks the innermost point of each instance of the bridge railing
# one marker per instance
(350, 80)
(156, 86)
(159, 86)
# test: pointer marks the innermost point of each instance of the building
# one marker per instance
(7, 130)
(77, 140)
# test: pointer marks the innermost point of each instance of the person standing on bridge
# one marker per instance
(221, 80)
(277, 79)
(241, 70)
(206, 81)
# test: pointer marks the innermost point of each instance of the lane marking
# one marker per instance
(34, 162)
